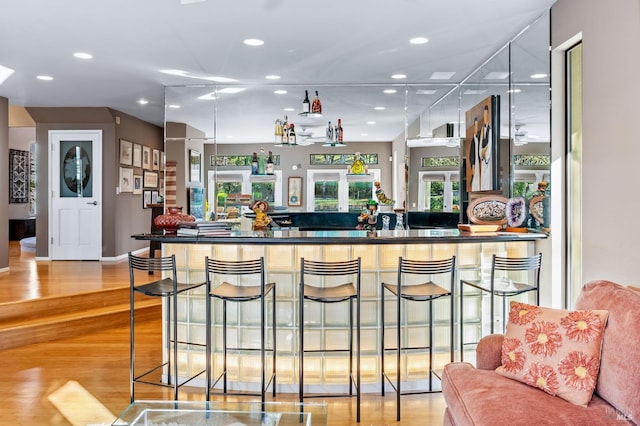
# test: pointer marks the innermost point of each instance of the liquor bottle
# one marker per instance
(316, 106)
(339, 136)
(330, 136)
(284, 139)
(254, 164)
(306, 105)
(292, 135)
(261, 165)
(269, 169)
(278, 131)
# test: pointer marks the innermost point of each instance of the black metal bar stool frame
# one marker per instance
(532, 263)
(425, 292)
(334, 294)
(240, 293)
(168, 288)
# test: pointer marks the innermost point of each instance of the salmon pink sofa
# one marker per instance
(480, 396)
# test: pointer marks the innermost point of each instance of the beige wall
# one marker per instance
(610, 33)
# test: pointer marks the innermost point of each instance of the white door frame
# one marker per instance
(87, 243)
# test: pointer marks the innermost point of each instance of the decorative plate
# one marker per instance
(489, 210)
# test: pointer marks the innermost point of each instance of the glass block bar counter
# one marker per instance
(327, 324)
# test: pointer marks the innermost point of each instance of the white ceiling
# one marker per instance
(325, 45)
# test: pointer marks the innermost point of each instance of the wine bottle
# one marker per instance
(254, 164)
(330, 135)
(261, 165)
(269, 169)
(306, 105)
(316, 106)
(284, 138)
(339, 136)
(292, 135)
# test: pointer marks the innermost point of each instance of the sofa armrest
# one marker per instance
(488, 352)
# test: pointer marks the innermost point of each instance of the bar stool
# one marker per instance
(168, 288)
(227, 292)
(494, 287)
(424, 292)
(330, 293)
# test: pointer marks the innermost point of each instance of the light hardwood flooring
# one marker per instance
(85, 380)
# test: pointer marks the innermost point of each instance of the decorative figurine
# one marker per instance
(262, 220)
(369, 217)
(381, 195)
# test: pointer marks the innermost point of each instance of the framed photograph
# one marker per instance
(137, 155)
(155, 159)
(126, 152)
(195, 159)
(481, 145)
(137, 184)
(150, 179)
(146, 158)
(126, 179)
(146, 198)
(294, 197)
(154, 197)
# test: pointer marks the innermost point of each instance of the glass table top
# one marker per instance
(222, 413)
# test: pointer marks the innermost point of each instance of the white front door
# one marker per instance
(75, 204)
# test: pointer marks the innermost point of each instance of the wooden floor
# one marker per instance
(85, 380)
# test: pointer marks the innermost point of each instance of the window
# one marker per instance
(264, 187)
(335, 190)
(526, 182)
(439, 191)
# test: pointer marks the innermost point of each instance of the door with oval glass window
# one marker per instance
(75, 204)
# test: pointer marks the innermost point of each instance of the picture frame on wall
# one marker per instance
(137, 155)
(146, 198)
(137, 184)
(481, 149)
(126, 152)
(126, 179)
(195, 160)
(146, 158)
(294, 192)
(155, 159)
(154, 197)
(150, 179)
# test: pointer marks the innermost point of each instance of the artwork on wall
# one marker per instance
(482, 145)
(155, 160)
(146, 198)
(295, 191)
(126, 152)
(196, 165)
(150, 179)
(18, 176)
(126, 179)
(137, 155)
(137, 184)
(146, 158)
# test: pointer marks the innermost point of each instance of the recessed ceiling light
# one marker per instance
(174, 106)
(514, 91)
(371, 122)
(442, 75)
(540, 75)
(232, 90)
(44, 77)
(253, 42)
(389, 91)
(399, 76)
(379, 108)
(289, 109)
(496, 75)
(426, 92)
(142, 101)
(272, 77)
(280, 92)
(82, 55)
(419, 40)
(5, 73)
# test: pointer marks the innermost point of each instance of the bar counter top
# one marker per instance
(413, 236)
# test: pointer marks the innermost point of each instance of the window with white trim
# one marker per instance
(262, 187)
(439, 191)
(336, 190)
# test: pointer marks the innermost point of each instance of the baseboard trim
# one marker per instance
(124, 256)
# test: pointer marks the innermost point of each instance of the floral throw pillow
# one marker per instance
(555, 350)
